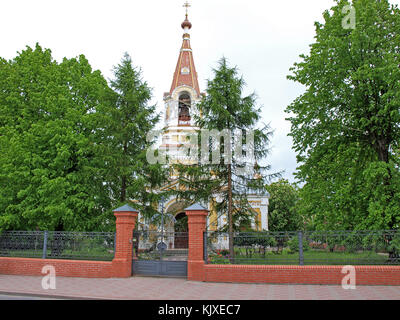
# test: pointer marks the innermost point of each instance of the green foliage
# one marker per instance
(127, 119)
(353, 242)
(345, 126)
(181, 225)
(48, 166)
(263, 239)
(282, 209)
(69, 144)
(293, 244)
(225, 107)
(394, 247)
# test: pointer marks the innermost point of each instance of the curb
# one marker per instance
(55, 296)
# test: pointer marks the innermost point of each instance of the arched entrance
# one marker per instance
(169, 259)
(181, 239)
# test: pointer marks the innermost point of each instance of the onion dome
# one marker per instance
(186, 23)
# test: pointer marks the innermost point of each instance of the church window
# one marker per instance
(184, 107)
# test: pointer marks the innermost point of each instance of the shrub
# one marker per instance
(263, 239)
(394, 249)
(293, 244)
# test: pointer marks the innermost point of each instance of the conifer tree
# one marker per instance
(225, 108)
(127, 120)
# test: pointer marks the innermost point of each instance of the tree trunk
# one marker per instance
(123, 178)
(382, 146)
(58, 243)
(123, 189)
(230, 218)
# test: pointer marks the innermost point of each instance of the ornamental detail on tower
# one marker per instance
(182, 99)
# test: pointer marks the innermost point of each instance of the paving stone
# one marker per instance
(147, 288)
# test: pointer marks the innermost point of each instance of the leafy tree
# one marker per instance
(127, 119)
(283, 214)
(72, 148)
(48, 166)
(346, 124)
(225, 107)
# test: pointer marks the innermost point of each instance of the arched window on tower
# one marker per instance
(184, 109)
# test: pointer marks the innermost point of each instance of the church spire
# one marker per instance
(185, 72)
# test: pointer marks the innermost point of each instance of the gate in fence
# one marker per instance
(160, 253)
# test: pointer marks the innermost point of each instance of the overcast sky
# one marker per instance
(262, 38)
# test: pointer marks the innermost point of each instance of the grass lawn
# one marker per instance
(311, 257)
(96, 255)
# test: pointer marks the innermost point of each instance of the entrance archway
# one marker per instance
(170, 260)
(181, 239)
(181, 224)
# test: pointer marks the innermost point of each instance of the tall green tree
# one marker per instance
(226, 108)
(48, 165)
(346, 124)
(283, 214)
(127, 120)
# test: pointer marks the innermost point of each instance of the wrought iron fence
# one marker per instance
(304, 248)
(155, 245)
(58, 245)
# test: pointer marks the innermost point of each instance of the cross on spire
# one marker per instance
(187, 5)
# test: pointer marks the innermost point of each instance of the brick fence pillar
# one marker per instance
(125, 223)
(197, 218)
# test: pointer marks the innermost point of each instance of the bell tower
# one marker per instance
(181, 109)
(182, 99)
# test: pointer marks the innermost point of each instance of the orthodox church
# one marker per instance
(180, 106)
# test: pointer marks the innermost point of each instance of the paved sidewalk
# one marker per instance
(144, 288)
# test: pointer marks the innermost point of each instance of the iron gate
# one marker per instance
(160, 253)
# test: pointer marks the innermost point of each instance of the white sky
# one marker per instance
(262, 38)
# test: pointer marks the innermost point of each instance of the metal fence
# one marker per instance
(304, 248)
(58, 245)
(155, 245)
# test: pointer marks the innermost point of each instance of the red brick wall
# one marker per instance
(198, 271)
(120, 267)
(64, 268)
(365, 275)
(122, 263)
(197, 225)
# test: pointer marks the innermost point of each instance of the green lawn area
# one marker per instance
(95, 255)
(311, 257)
